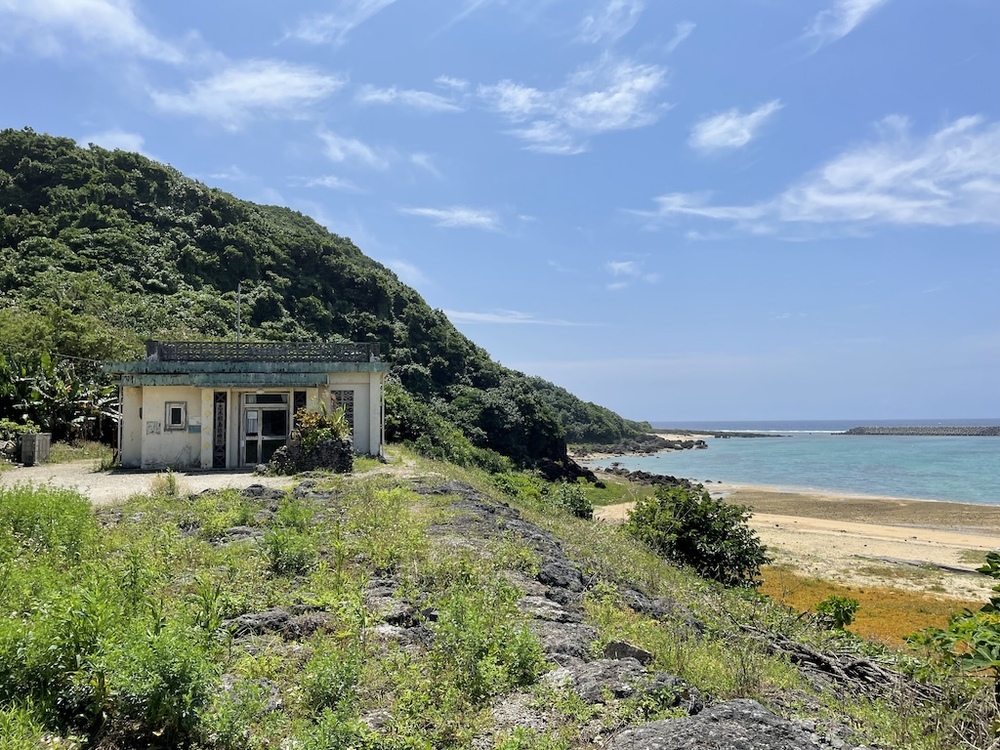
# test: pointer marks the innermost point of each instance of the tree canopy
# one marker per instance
(100, 250)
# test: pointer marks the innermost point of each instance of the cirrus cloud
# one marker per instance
(606, 96)
(950, 177)
(731, 130)
(254, 87)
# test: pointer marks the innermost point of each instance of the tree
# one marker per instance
(690, 527)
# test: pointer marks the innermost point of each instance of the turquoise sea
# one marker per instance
(810, 456)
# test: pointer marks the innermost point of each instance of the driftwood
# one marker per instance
(846, 670)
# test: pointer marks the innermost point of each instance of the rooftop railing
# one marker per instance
(259, 351)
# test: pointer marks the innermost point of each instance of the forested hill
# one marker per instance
(100, 250)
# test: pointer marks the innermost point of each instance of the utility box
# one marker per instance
(35, 448)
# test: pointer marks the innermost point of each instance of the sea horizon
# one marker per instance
(813, 457)
(816, 425)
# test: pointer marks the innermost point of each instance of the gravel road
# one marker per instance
(106, 487)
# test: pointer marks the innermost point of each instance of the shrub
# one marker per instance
(573, 498)
(330, 677)
(153, 683)
(837, 612)
(690, 527)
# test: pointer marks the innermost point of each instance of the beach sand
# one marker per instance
(916, 545)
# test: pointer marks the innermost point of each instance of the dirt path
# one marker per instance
(106, 487)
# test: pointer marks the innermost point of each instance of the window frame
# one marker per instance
(175, 426)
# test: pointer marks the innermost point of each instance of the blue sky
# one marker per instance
(702, 209)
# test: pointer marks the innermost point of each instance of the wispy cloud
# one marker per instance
(950, 177)
(458, 217)
(426, 163)
(54, 27)
(425, 101)
(731, 130)
(611, 21)
(840, 19)
(449, 82)
(625, 270)
(683, 31)
(335, 27)
(341, 149)
(246, 89)
(609, 95)
(504, 317)
(116, 139)
(333, 182)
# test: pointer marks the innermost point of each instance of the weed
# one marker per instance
(289, 552)
(165, 484)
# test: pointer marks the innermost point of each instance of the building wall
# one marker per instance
(361, 384)
(163, 447)
(130, 441)
(147, 442)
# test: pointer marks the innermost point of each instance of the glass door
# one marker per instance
(265, 426)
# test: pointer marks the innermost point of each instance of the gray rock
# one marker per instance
(625, 650)
(566, 639)
(560, 574)
(736, 725)
(540, 608)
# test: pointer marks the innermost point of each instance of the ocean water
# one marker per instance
(809, 456)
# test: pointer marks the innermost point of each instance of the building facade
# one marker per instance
(228, 405)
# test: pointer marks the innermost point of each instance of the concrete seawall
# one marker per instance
(929, 431)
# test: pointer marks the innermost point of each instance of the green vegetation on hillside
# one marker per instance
(100, 250)
(387, 613)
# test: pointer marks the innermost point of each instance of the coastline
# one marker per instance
(925, 546)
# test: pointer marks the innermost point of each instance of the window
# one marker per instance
(176, 415)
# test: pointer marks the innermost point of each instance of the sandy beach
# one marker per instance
(918, 545)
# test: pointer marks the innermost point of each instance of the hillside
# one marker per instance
(100, 250)
(417, 606)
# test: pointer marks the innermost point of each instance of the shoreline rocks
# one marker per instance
(927, 431)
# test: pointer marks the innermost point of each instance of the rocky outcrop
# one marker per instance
(645, 477)
(736, 725)
(929, 431)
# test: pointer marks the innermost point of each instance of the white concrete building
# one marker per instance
(223, 405)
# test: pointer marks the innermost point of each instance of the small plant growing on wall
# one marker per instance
(319, 440)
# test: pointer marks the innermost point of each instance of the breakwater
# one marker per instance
(928, 430)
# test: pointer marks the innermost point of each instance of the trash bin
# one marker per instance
(35, 448)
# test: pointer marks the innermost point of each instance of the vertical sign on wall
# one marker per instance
(219, 431)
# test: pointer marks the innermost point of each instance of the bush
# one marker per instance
(690, 527)
(837, 612)
(573, 498)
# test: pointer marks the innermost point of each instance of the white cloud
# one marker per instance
(340, 150)
(116, 139)
(333, 183)
(948, 178)
(606, 96)
(426, 162)
(102, 25)
(683, 31)
(612, 21)
(336, 27)
(504, 317)
(733, 129)
(249, 88)
(458, 217)
(629, 269)
(623, 268)
(840, 19)
(422, 100)
(448, 82)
